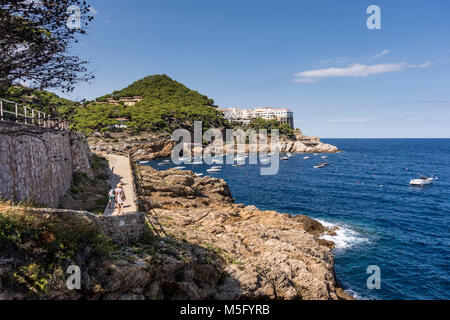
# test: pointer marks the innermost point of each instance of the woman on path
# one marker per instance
(120, 197)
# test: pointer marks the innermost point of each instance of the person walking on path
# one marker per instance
(120, 198)
(112, 198)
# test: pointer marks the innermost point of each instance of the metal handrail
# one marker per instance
(29, 116)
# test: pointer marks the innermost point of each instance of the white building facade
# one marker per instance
(244, 116)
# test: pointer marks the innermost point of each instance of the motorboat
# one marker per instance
(214, 170)
(285, 158)
(217, 168)
(199, 174)
(143, 162)
(422, 181)
(289, 155)
(324, 157)
(179, 168)
(321, 165)
(306, 158)
(315, 154)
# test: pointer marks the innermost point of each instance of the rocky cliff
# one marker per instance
(262, 254)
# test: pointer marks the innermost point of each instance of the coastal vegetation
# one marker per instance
(36, 41)
(161, 105)
(43, 246)
(258, 124)
(88, 194)
(41, 100)
(165, 105)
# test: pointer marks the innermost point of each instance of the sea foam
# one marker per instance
(345, 236)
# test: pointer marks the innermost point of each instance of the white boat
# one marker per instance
(325, 157)
(179, 168)
(217, 167)
(289, 155)
(214, 170)
(315, 154)
(422, 181)
(285, 158)
(166, 161)
(143, 162)
(306, 158)
(199, 174)
(321, 165)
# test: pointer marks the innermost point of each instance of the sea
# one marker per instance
(403, 230)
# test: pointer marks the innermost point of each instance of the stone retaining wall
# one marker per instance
(38, 163)
(121, 229)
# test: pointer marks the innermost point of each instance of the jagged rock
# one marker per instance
(259, 254)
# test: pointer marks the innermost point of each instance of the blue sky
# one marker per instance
(316, 57)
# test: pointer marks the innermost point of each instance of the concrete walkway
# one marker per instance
(120, 172)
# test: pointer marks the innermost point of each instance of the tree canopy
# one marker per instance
(166, 105)
(35, 38)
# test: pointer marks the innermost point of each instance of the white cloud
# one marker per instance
(425, 65)
(353, 70)
(382, 53)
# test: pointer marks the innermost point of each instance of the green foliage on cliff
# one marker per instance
(258, 124)
(43, 246)
(166, 105)
(41, 100)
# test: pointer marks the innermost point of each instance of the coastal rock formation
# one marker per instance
(262, 254)
(301, 147)
(162, 147)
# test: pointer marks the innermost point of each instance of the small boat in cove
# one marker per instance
(213, 170)
(422, 181)
(321, 165)
(143, 162)
(179, 168)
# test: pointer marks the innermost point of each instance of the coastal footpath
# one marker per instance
(195, 243)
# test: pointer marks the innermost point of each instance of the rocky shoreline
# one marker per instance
(262, 254)
(162, 148)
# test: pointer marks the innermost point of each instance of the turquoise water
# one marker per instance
(383, 221)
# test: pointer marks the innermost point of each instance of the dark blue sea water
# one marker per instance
(384, 222)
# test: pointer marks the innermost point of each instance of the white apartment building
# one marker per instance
(244, 116)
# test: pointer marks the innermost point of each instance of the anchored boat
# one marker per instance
(422, 181)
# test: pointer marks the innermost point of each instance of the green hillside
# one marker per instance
(166, 105)
(41, 100)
